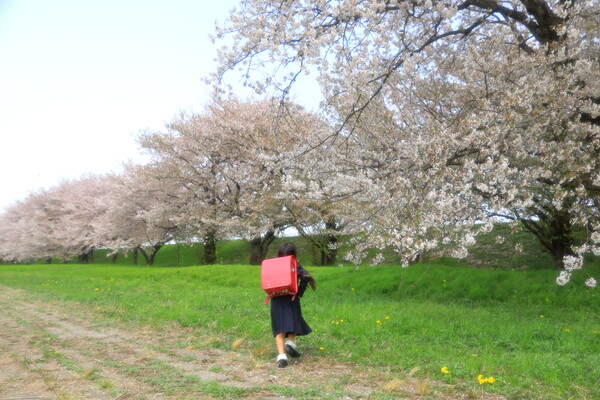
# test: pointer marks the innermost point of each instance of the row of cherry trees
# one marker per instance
(213, 175)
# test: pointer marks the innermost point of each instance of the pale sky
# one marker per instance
(79, 79)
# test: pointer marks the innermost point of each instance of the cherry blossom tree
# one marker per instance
(80, 203)
(220, 166)
(56, 222)
(140, 216)
(24, 230)
(488, 107)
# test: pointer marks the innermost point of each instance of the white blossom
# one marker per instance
(590, 282)
(563, 278)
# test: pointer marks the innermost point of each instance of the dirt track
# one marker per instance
(50, 352)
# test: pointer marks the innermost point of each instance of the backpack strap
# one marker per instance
(267, 299)
(282, 293)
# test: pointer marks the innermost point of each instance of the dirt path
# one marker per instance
(50, 352)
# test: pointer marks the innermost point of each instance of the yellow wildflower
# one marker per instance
(483, 380)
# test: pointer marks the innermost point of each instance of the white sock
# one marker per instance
(289, 342)
(281, 357)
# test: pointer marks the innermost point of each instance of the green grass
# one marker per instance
(537, 339)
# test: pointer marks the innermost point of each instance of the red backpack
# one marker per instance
(279, 277)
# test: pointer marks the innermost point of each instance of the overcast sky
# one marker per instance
(79, 79)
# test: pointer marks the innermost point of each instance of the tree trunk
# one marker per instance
(329, 252)
(561, 242)
(324, 251)
(259, 247)
(149, 256)
(555, 233)
(210, 248)
(134, 255)
(150, 259)
(328, 256)
(145, 254)
(86, 257)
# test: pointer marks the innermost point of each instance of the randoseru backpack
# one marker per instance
(279, 277)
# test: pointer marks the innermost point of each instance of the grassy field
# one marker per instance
(536, 339)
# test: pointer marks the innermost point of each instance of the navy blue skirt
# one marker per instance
(286, 316)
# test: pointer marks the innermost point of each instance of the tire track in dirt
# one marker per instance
(49, 351)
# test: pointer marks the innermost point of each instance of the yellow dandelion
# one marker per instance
(445, 370)
(483, 380)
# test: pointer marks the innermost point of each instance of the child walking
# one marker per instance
(286, 314)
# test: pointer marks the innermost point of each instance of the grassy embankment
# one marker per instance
(493, 250)
(536, 339)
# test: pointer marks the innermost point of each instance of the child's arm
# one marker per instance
(305, 279)
(301, 271)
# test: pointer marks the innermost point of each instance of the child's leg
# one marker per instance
(290, 345)
(280, 342)
(282, 360)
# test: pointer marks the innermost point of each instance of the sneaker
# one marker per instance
(291, 350)
(282, 361)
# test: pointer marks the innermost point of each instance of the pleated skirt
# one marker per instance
(286, 316)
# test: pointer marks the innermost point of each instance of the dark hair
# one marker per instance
(287, 249)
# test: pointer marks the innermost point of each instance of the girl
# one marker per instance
(286, 313)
